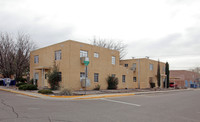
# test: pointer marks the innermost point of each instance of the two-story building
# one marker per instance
(145, 71)
(103, 62)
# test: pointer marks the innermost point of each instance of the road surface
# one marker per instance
(163, 107)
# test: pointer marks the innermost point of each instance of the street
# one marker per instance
(160, 107)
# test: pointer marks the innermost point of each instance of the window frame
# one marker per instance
(150, 67)
(134, 79)
(113, 60)
(60, 76)
(96, 77)
(58, 55)
(113, 75)
(96, 55)
(123, 78)
(82, 75)
(36, 59)
(125, 65)
(83, 53)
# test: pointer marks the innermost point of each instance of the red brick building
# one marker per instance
(181, 77)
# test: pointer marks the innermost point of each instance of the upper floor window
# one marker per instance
(151, 66)
(134, 65)
(113, 60)
(96, 55)
(113, 75)
(36, 59)
(163, 68)
(126, 65)
(58, 55)
(83, 53)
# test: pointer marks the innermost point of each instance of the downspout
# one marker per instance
(138, 73)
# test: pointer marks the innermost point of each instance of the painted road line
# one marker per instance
(120, 102)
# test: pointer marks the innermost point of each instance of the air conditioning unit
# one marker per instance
(82, 60)
(85, 82)
(133, 68)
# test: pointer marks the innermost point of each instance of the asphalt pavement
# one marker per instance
(159, 107)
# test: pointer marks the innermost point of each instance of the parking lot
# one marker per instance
(163, 107)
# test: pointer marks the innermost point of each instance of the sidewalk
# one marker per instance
(90, 94)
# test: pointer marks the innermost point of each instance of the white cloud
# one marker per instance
(157, 28)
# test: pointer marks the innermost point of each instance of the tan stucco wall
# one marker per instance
(143, 72)
(71, 67)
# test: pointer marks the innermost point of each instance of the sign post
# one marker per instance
(86, 62)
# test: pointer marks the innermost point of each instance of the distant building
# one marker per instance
(184, 78)
(68, 55)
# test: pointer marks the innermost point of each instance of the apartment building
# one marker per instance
(145, 71)
(68, 57)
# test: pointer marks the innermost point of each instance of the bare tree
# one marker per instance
(7, 55)
(23, 47)
(111, 44)
(14, 54)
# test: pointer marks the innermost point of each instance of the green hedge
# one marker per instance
(112, 82)
(27, 87)
(45, 91)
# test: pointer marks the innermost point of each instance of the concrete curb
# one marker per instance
(104, 96)
(16, 92)
(85, 97)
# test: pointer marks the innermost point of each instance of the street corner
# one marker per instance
(19, 92)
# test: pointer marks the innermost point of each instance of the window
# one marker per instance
(45, 76)
(83, 53)
(60, 76)
(58, 55)
(133, 67)
(123, 78)
(113, 60)
(134, 79)
(82, 75)
(151, 66)
(113, 75)
(36, 76)
(96, 55)
(126, 65)
(163, 69)
(96, 77)
(36, 59)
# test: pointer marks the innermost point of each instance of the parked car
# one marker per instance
(173, 85)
